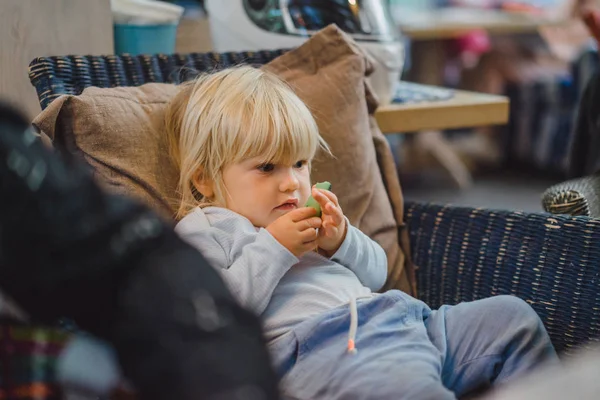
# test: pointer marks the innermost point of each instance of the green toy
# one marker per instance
(311, 202)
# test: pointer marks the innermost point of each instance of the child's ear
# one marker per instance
(203, 185)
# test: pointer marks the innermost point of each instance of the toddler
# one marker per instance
(244, 143)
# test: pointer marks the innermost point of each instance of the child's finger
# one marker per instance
(325, 228)
(320, 198)
(330, 229)
(310, 223)
(302, 213)
(328, 203)
(335, 213)
(309, 235)
(309, 246)
(331, 196)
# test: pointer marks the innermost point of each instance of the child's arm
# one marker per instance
(253, 275)
(347, 245)
(363, 256)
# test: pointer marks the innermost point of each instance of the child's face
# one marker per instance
(264, 192)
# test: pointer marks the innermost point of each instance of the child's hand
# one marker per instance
(333, 227)
(297, 230)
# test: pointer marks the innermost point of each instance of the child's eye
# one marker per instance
(268, 167)
(300, 164)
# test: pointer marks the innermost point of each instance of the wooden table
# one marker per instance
(428, 32)
(450, 23)
(464, 110)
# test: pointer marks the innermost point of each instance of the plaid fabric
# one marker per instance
(28, 357)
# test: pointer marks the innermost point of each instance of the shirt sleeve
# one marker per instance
(363, 256)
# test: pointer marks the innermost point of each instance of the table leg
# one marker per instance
(439, 148)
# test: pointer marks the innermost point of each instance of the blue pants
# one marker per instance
(407, 351)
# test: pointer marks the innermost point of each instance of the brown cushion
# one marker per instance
(120, 133)
(329, 73)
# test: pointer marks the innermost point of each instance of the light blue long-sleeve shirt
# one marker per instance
(269, 280)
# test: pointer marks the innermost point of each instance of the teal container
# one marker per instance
(145, 39)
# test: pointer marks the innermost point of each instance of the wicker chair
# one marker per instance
(462, 254)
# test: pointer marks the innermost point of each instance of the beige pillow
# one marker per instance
(120, 132)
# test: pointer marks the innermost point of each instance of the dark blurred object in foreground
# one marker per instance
(67, 249)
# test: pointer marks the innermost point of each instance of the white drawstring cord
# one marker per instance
(353, 326)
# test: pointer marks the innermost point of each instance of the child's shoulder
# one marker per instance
(213, 217)
(195, 220)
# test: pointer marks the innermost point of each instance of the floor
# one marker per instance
(498, 190)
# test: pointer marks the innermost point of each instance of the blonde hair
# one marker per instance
(232, 115)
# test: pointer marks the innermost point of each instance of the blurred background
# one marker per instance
(538, 54)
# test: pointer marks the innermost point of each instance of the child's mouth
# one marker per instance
(286, 207)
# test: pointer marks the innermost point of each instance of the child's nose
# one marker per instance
(290, 182)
